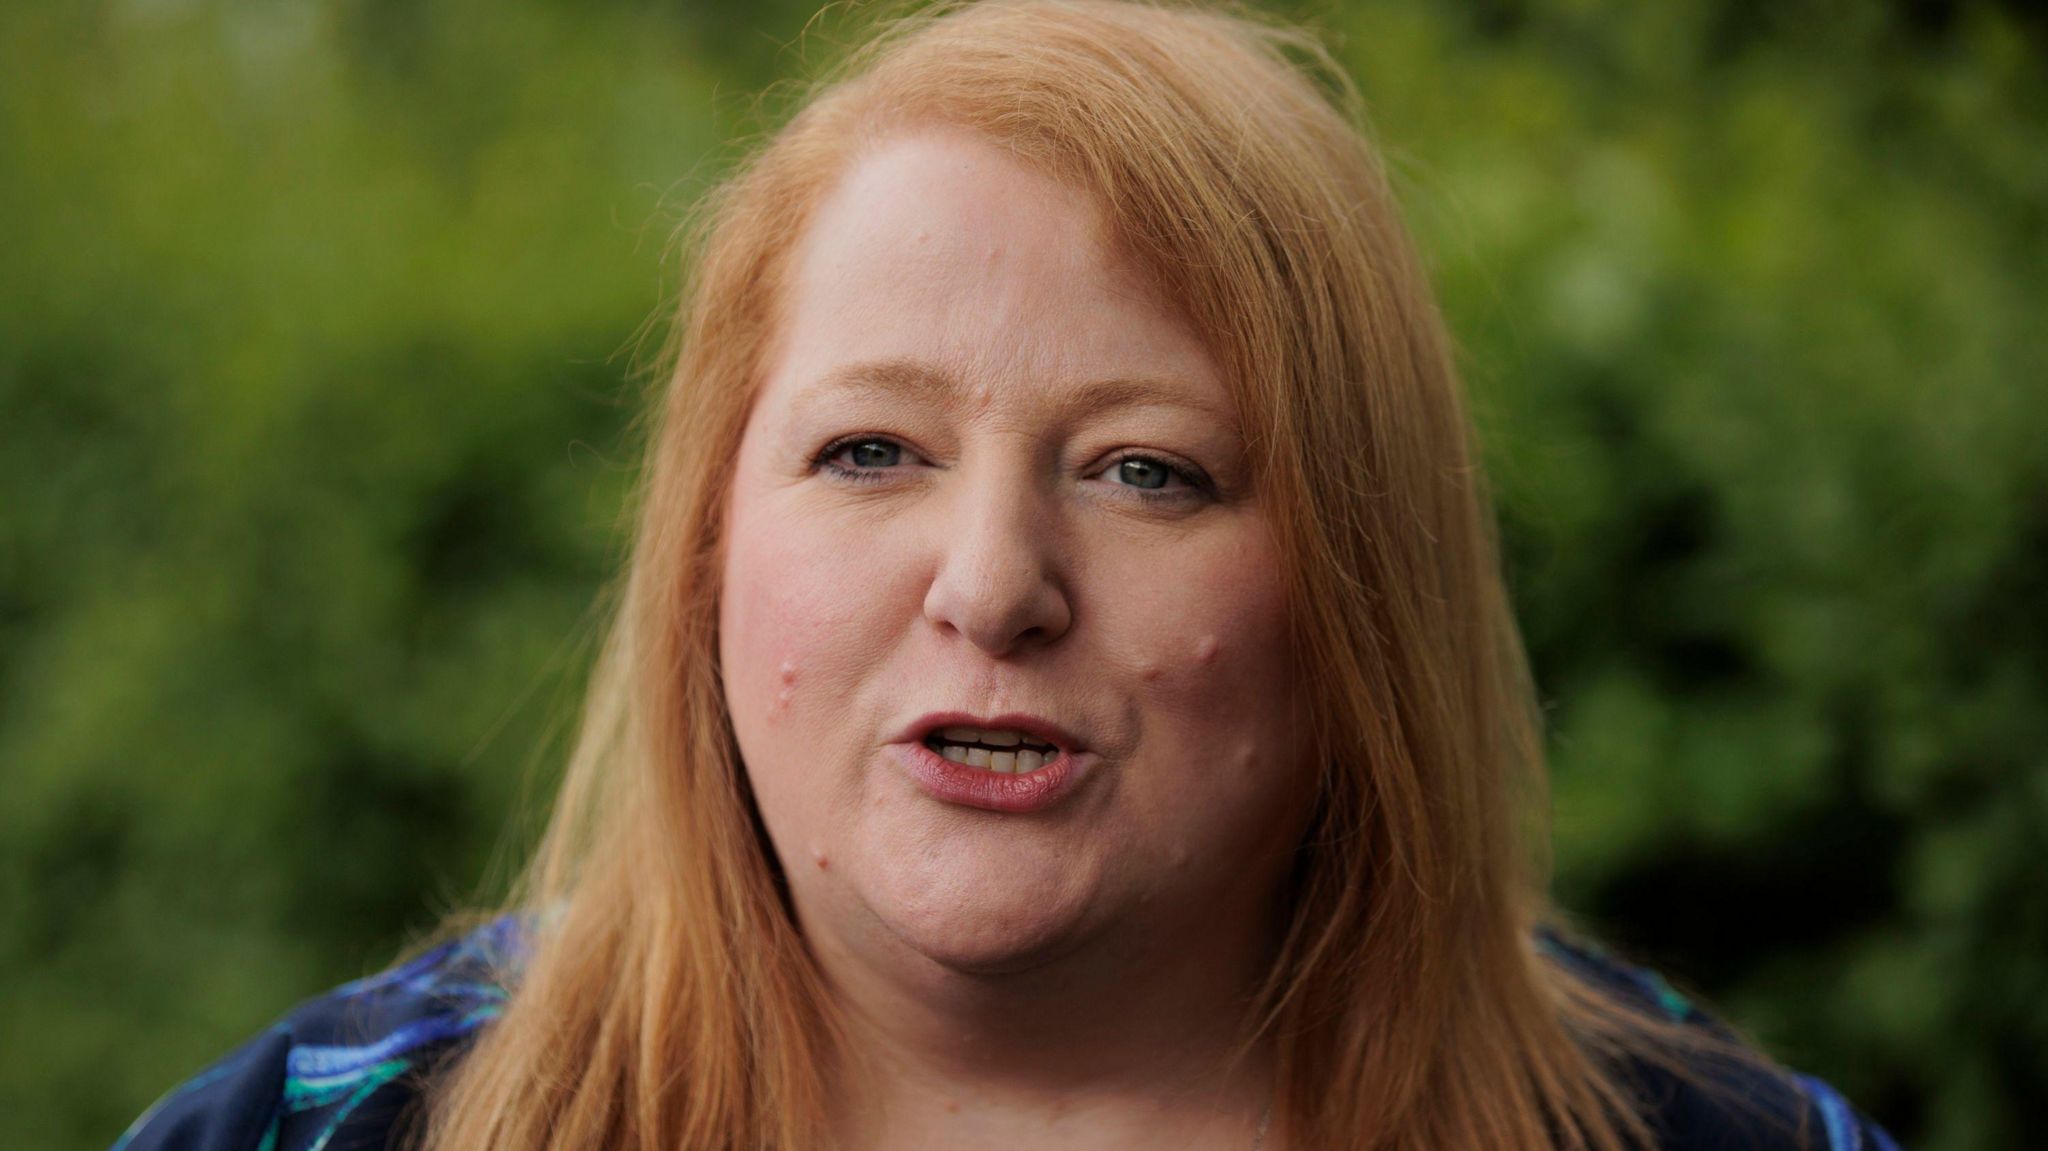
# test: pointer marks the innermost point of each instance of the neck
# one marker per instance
(1130, 1041)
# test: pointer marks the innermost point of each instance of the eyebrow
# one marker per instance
(916, 379)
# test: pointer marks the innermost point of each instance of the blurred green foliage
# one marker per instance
(317, 324)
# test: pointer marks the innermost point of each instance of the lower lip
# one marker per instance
(958, 783)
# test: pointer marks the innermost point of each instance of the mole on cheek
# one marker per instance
(783, 694)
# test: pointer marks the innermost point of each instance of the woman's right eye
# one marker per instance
(860, 457)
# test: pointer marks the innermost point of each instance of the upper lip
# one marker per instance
(1036, 726)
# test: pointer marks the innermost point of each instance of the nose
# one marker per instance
(998, 582)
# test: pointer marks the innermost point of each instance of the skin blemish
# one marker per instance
(787, 674)
(1205, 649)
(1149, 672)
(818, 856)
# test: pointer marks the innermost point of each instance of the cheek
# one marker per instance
(796, 638)
(1216, 645)
(1217, 689)
(790, 617)
(761, 633)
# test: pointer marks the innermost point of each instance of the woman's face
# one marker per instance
(994, 480)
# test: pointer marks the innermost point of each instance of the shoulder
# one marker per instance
(341, 1069)
(1714, 1093)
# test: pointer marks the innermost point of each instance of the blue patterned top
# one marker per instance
(339, 1071)
(344, 1071)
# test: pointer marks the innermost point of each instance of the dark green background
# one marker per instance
(318, 330)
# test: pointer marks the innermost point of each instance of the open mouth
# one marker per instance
(1004, 751)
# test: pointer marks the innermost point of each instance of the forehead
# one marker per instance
(939, 248)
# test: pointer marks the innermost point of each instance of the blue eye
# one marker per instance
(869, 455)
(1139, 472)
(875, 453)
(1149, 477)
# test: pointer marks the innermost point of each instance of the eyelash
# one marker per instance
(1198, 483)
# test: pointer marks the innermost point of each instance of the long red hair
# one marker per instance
(669, 1001)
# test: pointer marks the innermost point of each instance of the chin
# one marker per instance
(985, 928)
(988, 949)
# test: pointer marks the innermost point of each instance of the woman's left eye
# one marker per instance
(1140, 472)
(1152, 477)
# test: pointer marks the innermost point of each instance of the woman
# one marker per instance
(1063, 693)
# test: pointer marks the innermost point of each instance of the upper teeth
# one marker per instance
(992, 737)
(981, 747)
